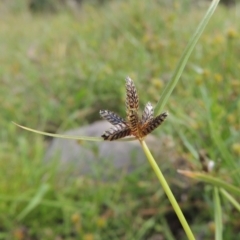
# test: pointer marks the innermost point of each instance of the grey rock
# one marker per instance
(98, 158)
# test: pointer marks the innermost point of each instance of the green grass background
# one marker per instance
(58, 70)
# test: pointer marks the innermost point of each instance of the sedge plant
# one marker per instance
(140, 128)
(220, 187)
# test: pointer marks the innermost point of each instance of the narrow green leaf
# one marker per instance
(61, 136)
(187, 144)
(166, 229)
(216, 136)
(85, 138)
(212, 180)
(217, 214)
(148, 224)
(230, 198)
(183, 60)
(168, 191)
(34, 201)
(44, 202)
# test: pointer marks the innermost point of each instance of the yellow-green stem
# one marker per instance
(168, 192)
(218, 214)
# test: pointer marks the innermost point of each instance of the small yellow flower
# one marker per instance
(195, 125)
(206, 73)
(235, 83)
(101, 222)
(236, 148)
(157, 83)
(75, 218)
(232, 33)
(88, 236)
(231, 119)
(212, 227)
(199, 81)
(218, 39)
(218, 77)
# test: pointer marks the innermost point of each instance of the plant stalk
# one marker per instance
(218, 214)
(168, 191)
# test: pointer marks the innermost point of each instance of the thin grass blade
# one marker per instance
(166, 229)
(85, 138)
(148, 224)
(184, 58)
(187, 144)
(217, 214)
(217, 138)
(34, 201)
(230, 198)
(212, 180)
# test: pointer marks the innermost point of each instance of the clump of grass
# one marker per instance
(132, 103)
(25, 55)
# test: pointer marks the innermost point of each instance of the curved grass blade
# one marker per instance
(166, 229)
(148, 224)
(230, 198)
(186, 143)
(183, 60)
(93, 139)
(217, 214)
(34, 201)
(215, 135)
(212, 180)
(44, 202)
(61, 136)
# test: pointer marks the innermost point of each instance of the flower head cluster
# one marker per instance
(133, 125)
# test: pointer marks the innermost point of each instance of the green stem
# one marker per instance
(168, 192)
(218, 214)
(230, 198)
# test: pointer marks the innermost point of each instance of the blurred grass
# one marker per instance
(58, 71)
